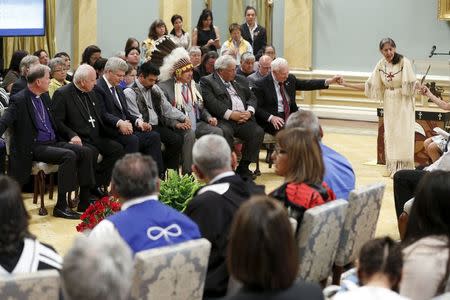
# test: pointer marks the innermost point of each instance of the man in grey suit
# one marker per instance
(228, 97)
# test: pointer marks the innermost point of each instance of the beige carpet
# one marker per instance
(355, 140)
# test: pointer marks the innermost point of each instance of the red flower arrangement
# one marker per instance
(97, 211)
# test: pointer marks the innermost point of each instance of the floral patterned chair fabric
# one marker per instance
(360, 223)
(318, 239)
(172, 272)
(37, 285)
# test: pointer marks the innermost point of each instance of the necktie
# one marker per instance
(185, 93)
(287, 109)
(227, 85)
(113, 92)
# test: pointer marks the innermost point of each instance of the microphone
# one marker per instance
(432, 51)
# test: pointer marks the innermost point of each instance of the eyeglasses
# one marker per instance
(61, 70)
(279, 151)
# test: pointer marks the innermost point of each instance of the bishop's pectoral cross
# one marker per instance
(92, 121)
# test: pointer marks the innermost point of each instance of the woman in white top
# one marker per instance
(427, 246)
(178, 35)
(379, 271)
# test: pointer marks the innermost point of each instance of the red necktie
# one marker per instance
(287, 109)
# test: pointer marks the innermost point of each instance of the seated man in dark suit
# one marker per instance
(25, 64)
(34, 138)
(78, 118)
(276, 95)
(252, 32)
(132, 133)
(228, 98)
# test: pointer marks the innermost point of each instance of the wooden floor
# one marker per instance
(355, 140)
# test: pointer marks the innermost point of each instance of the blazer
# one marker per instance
(20, 118)
(216, 98)
(112, 112)
(259, 37)
(267, 96)
(72, 119)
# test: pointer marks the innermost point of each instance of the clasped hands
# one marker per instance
(240, 116)
(125, 127)
(185, 125)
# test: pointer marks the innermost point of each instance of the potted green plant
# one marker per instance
(176, 191)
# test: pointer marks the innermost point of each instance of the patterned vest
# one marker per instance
(142, 104)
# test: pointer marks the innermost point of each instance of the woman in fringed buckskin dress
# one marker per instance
(393, 82)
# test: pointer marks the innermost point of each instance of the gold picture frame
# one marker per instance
(444, 10)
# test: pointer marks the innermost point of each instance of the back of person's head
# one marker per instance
(26, 62)
(62, 54)
(135, 175)
(87, 53)
(430, 212)
(304, 155)
(13, 216)
(212, 155)
(148, 68)
(262, 251)
(37, 72)
(382, 256)
(97, 269)
(14, 63)
(100, 64)
(305, 119)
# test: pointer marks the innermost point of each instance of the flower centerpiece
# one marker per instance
(97, 211)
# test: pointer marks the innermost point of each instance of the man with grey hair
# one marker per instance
(131, 132)
(25, 64)
(276, 95)
(98, 269)
(263, 70)
(215, 204)
(78, 118)
(35, 138)
(247, 63)
(339, 173)
(144, 222)
(228, 97)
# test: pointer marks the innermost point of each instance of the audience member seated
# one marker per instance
(235, 45)
(263, 254)
(13, 73)
(25, 64)
(252, 32)
(228, 98)
(339, 174)
(177, 34)
(20, 251)
(267, 50)
(133, 57)
(276, 95)
(246, 67)
(78, 118)
(157, 29)
(215, 204)
(66, 57)
(90, 55)
(132, 133)
(196, 55)
(182, 92)
(146, 101)
(144, 222)
(97, 269)
(206, 67)
(298, 158)
(130, 77)
(58, 73)
(35, 137)
(205, 34)
(131, 43)
(379, 272)
(99, 67)
(43, 56)
(263, 70)
(426, 244)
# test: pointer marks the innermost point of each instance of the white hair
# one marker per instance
(247, 56)
(304, 119)
(224, 62)
(211, 153)
(26, 62)
(115, 64)
(98, 269)
(56, 62)
(195, 49)
(279, 63)
(82, 73)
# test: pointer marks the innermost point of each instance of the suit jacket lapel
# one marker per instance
(109, 93)
(222, 86)
(271, 84)
(30, 108)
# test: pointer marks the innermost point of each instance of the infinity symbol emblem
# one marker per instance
(155, 232)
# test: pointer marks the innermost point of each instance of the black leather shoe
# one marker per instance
(245, 173)
(65, 213)
(98, 192)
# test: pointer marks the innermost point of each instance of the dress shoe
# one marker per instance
(98, 192)
(65, 213)
(245, 173)
(84, 204)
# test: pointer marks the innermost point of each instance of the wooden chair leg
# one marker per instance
(36, 188)
(51, 186)
(337, 272)
(42, 209)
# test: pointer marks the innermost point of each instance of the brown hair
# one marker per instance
(234, 26)
(304, 155)
(152, 30)
(262, 251)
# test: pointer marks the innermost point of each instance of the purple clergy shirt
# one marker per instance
(44, 126)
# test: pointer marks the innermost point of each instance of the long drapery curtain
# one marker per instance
(33, 43)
